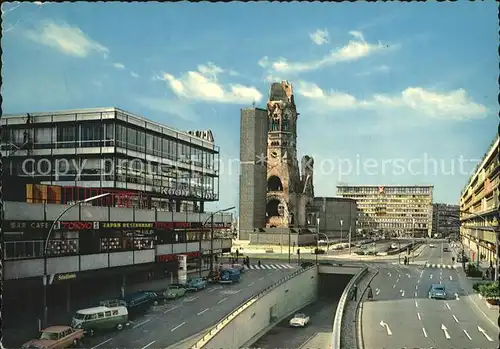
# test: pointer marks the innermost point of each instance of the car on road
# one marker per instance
(431, 245)
(437, 291)
(95, 319)
(446, 249)
(157, 297)
(196, 284)
(229, 276)
(56, 337)
(299, 320)
(175, 291)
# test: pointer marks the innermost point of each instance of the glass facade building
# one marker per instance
(108, 148)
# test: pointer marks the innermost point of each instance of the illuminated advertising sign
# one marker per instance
(127, 225)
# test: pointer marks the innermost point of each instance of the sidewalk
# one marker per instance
(25, 327)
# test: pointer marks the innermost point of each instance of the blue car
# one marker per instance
(229, 276)
(196, 284)
(437, 291)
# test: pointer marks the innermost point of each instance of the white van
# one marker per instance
(100, 318)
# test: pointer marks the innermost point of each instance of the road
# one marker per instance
(402, 315)
(167, 324)
(316, 335)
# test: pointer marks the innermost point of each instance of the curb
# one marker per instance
(359, 323)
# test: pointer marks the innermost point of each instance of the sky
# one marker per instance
(388, 93)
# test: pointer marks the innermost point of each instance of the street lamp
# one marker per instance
(413, 240)
(327, 241)
(317, 239)
(45, 276)
(211, 218)
(341, 237)
(497, 242)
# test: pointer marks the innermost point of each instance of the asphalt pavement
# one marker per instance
(316, 335)
(402, 316)
(167, 324)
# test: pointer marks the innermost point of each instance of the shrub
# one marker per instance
(489, 290)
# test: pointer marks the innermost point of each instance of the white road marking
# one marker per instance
(409, 276)
(425, 332)
(484, 333)
(451, 278)
(456, 297)
(397, 280)
(98, 345)
(147, 345)
(377, 291)
(455, 318)
(250, 284)
(393, 286)
(237, 291)
(418, 315)
(201, 312)
(214, 289)
(467, 334)
(222, 300)
(169, 310)
(261, 278)
(445, 331)
(141, 323)
(416, 287)
(416, 304)
(415, 294)
(176, 327)
(386, 326)
(192, 299)
(430, 276)
(402, 293)
(447, 306)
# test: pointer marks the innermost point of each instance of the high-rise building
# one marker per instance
(479, 206)
(445, 220)
(394, 209)
(253, 150)
(142, 163)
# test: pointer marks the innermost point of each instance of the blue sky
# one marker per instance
(377, 84)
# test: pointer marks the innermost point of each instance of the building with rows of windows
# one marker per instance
(143, 163)
(395, 209)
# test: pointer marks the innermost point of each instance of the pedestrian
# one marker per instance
(258, 263)
(354, 293)
(370, 293)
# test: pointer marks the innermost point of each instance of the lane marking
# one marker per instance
(456, 297)
(416, 304)
(447, 306)
(214, 289)
(467, 334)
(425, 332)
(430, 276)
(169, 310)
(222, 300)
(192, 299)
(397, 280)
(98, 345)
(416, 287)
(415, 294)
(147, 345)
(176, 327)
(141, 323)
(393, 286)
(484, 333)
(403, 294)
(261, 278)
(250, 284)
(454, 317)
(201, 312)
(238, 291)
(451, 278)
(418, 315)
(445, 331)
(377, 291)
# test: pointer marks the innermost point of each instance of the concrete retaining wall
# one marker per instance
(267, 310)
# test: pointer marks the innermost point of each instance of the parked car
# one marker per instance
(196, 284)
(437, 291)
(56, 337)
(175, 291)
(136, 303)
(95, 319)
(156, 296)
(213, 277)
(299, 320)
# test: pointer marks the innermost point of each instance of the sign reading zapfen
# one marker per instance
(187, 192)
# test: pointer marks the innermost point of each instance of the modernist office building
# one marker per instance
(479, 205)
(144, 163)
(445, 219)
(395, 209)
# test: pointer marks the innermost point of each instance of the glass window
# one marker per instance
(109, 134)
(108, 313)
(115, 312)
(131, 138)
(100, 315)
(149, 143)
(141, 140)
(165, 149)
(156, 145)
(43, 135)
(66, 136)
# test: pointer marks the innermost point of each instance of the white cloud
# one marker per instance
(134, 75)
(319, 37)
(119, 65)
(170, 106)
(355, 49)
(417, 100)
(203, 85)
(376, 70)
(67, 39)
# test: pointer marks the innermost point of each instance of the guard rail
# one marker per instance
(337, 323)
(222, 323)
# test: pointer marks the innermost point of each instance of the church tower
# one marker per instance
(283, 176)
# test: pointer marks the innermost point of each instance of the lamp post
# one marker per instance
(289, 221)
(211, 218)
(341, 237)
(349, 239)
(45, 275)
(317, 239)
(413, 241)
(497, 238)
(327, 240)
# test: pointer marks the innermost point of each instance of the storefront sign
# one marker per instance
(64, 277)
(172, 225)
(187, 192)
(18, 225)
(127, 225)
(174, 257)
(76, 225)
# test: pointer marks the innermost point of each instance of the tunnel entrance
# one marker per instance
(331, 286)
